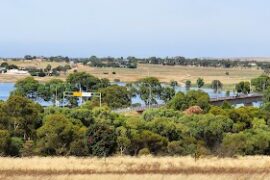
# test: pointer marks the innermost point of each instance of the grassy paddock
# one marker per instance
(256, 167)
(163, 73)
(178, 73)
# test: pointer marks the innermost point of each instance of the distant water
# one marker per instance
(6, 88)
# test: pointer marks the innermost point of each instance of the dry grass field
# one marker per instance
(134, 168)
(163, 73)
(178, 73)
(35, 63)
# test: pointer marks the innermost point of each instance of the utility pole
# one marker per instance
(57, 104)
(63, 99)
(55, 95)
(150, 95)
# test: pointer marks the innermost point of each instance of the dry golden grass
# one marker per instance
(35, 63)
(257, 167)
(178, 73)
(163, 73)
(7, 78)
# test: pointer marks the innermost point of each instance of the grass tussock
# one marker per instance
(135, 168)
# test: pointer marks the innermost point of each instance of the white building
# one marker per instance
(17, 72)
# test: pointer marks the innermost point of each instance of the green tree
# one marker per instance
(103, 83)
(52, 91)
(123, 141)
(216, 85)
(165, 127)
(198, 98)
(4, 141)
(56, 135)
(210, 128)
(85, 116)
(247, 142)
(192, 98)
(24, 115)
(78, 146)
(215, 110)
(83, 81)
(243, 87)
(154, 142)
(200, 82)
(242, 118)
(167, 94)
(261, 83)
(188, 84)
(101, 140)
(186, 146)
(173, 84)
(115, 96)
(179, 102)
(28, 148)
(4, 117)
(149, 90)
(266, 95)
(15, 146)
(27, 87)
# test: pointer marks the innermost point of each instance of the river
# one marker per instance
(6, 88)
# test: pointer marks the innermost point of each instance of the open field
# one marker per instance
(132, 168)
(35, 63)
(178, 73)
(163, 73)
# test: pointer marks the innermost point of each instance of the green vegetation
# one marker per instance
(129, 62)
(28, 129)
(8, 66)
(200, 82)
(188, 84)
(187, 125)
(149, 89)
(216, 85)
(261, 83)
(243, 87)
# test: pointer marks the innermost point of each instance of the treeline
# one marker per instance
(203, 62)
(149, 89)
(57, 91)
(94, 61)
(48, 70)
(131, 62)
(52, 58)
(187, 125)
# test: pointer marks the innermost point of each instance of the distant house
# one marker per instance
(252, 64)
(17, 72)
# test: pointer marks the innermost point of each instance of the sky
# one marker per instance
(142, 28)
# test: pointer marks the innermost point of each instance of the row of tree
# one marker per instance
(149, 89)
(131, 62)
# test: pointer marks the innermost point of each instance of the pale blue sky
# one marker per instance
(81, 28)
